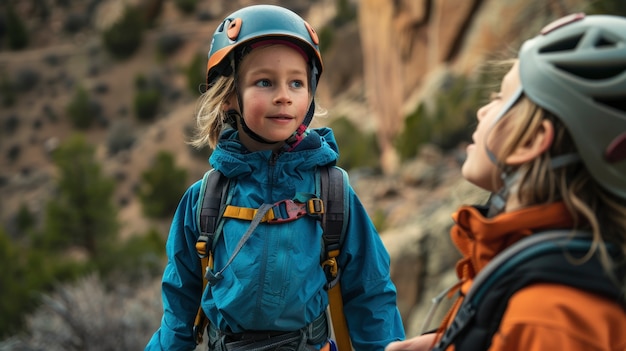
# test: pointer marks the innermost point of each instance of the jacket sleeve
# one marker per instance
(182, 280)
(369, 295)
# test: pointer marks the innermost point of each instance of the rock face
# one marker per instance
(406, 42)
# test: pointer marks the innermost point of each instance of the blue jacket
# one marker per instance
(275, 282)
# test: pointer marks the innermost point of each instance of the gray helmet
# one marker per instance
(576, 69)
(260, 22)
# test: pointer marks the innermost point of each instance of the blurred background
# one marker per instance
(97, 99)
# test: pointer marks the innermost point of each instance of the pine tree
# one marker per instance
(82, 213)
(162, 187)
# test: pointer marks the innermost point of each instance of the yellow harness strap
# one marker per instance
(282, 211)
(335, 301)
(246, 213)
(201, 321)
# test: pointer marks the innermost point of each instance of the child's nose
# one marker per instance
(282, 95)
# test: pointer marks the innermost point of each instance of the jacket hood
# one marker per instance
(231, 157)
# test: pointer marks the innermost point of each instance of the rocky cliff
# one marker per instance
(409, 45)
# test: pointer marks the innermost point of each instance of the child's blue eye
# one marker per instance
(263, 83)
(297, 84)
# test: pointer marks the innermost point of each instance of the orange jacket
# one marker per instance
(541, 316)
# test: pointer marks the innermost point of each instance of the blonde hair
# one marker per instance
(592, 207)
(210, 115)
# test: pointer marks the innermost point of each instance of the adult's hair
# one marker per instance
(592, 206)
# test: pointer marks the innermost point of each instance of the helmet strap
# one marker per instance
(302, 130)
(235, 115)
(497, 201)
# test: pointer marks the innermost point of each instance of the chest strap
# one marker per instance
(281, 212)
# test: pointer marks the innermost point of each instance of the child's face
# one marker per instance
(273, 82)
(478, 168)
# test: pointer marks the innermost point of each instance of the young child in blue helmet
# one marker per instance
(267, 287)
(551, 147)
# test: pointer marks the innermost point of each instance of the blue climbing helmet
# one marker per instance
(576, 69)
(256, 23)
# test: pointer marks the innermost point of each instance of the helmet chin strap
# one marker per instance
(238, 116)
(234, 115)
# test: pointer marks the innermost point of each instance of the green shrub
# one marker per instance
(11, 124)
(124, 37)
(357, 149)
(146, 103)
(346, 12)
(74, 23)
(25, 220)
(379, 219)
(147, 98)
(26, 79)
(81, 214)
(131, 259)
(169, 43)
(7, 91)
(162, 186)
(27, 271)
(16, 30)
(186, 6)
(196, 74)
(326, 36)
(13, 153)
(448, 122)
(416, 132)
(14, 295)
(81, 110)
(614, 7)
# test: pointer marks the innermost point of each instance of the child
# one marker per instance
(551, 147)
(268, 289)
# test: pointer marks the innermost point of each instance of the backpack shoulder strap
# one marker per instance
(210, 206)
(542, 257)
(334, 191)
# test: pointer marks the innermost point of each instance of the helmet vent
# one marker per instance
(606, 71)
(566, 44)
(604, 43)
(616, 103)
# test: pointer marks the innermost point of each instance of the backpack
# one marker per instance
(330, 207)
(541, 257)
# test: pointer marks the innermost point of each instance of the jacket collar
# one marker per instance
(233, 159)
(479, 238)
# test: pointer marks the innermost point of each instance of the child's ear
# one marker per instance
(230, 103)
(541, 141)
